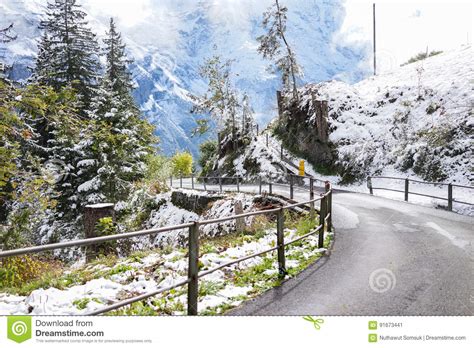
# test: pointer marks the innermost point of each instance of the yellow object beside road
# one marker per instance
(302, 168)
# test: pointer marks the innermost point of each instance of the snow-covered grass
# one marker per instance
(109, 280)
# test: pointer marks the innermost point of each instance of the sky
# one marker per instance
(404, 28)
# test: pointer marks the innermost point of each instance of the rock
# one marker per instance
(193, 201)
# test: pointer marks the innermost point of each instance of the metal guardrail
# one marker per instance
(192, 280)
(450, 199)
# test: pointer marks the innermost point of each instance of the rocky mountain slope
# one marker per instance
(173, 38)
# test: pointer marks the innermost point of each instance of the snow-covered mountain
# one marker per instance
(172, 38)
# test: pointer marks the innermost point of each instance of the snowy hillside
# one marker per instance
(415, 120)
(173, 38)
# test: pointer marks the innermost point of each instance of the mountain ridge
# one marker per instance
(166, 72)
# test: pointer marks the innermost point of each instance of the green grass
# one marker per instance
(137, 308)
(83, 302)
(209, 288)
(120, 269)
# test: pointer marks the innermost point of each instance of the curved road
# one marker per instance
(389, 258)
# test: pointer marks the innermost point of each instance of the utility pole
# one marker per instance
(375, 58)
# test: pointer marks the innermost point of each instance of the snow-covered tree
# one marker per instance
(27, 185)
(68, 51)
(116, 70)
(275, 46)
(118, 140)
(221, 100)
(248, 121)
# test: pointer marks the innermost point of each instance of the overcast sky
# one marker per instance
(404, 27)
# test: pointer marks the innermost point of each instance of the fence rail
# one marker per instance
(192, 280)
(449, 198)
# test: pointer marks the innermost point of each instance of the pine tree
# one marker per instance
(274, 20)
(117, 64)
(68, 51)
(119, 139)
(43, 72)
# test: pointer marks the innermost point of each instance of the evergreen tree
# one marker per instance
(274, 20)
(68, 51)
(116, 70)
(119, 140)
(43, 73)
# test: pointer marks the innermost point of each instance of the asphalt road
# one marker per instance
(389, 258)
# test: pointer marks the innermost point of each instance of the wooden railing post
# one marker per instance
(240, 221)
(311, 197)
(270, 188)
(181, 181)
(281, 243)
(171, 181)
(267, 139)
(220, 184)
(192, 181)
(193, 269)
(369, 185)
(260, 185)
(281, 152)
(450, 197)
(204, 183)
(238, 186)
(329, 204)
(291, 186)
(322, 221)
(406, 189)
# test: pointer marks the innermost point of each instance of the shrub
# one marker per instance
(106, 227)
(182, 163)
(208, 151)
(158, 169)
(14, 271)
(421, 56)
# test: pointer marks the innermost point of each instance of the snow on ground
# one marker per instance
(135, 275)
(168, 214)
